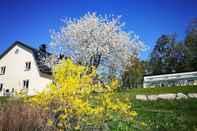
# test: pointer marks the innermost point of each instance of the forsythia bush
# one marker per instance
(77, 102)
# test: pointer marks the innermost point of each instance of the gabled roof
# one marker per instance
(13, 45)
(43, 68)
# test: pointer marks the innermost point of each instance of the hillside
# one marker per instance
(161, 115)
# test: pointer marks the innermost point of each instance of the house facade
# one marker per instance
(21, 70)
(168, 80)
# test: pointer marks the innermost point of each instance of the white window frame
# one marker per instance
(3, 69)
(27, 66)
(26, 84)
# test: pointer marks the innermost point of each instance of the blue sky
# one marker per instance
(29, 21)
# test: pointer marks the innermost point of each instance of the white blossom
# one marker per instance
(92, 33)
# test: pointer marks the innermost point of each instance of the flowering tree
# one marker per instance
(97, 41)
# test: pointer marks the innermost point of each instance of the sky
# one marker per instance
(29, 21)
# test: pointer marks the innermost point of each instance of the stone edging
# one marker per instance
(169, 96)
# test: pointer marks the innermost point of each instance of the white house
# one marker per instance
(175, 79)
(22, 69)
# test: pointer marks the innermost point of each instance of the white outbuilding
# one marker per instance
(168, 80)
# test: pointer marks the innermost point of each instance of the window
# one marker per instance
(7, 91)
(16, 51)
(12, 90)
(3, 70)
(26, 84)
(1, 87)
(27, 65)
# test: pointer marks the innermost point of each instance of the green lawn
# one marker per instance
(168, 115)
(164, 115)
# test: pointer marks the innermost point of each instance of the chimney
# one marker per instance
(61, 56)
(43, 48)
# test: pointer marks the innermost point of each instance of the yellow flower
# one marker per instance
(50, 122)
(73, 96)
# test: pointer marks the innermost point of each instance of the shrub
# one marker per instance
(75, 104)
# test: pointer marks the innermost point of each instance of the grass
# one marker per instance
(168, 115)
(131, 93)
(3, 100)
(164, 115)
(161, 115)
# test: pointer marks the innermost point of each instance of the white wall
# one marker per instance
(15, 71)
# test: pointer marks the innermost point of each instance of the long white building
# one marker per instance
(176, 79)
(22, 70)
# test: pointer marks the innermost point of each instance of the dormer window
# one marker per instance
(27, 66)
(3, 70)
